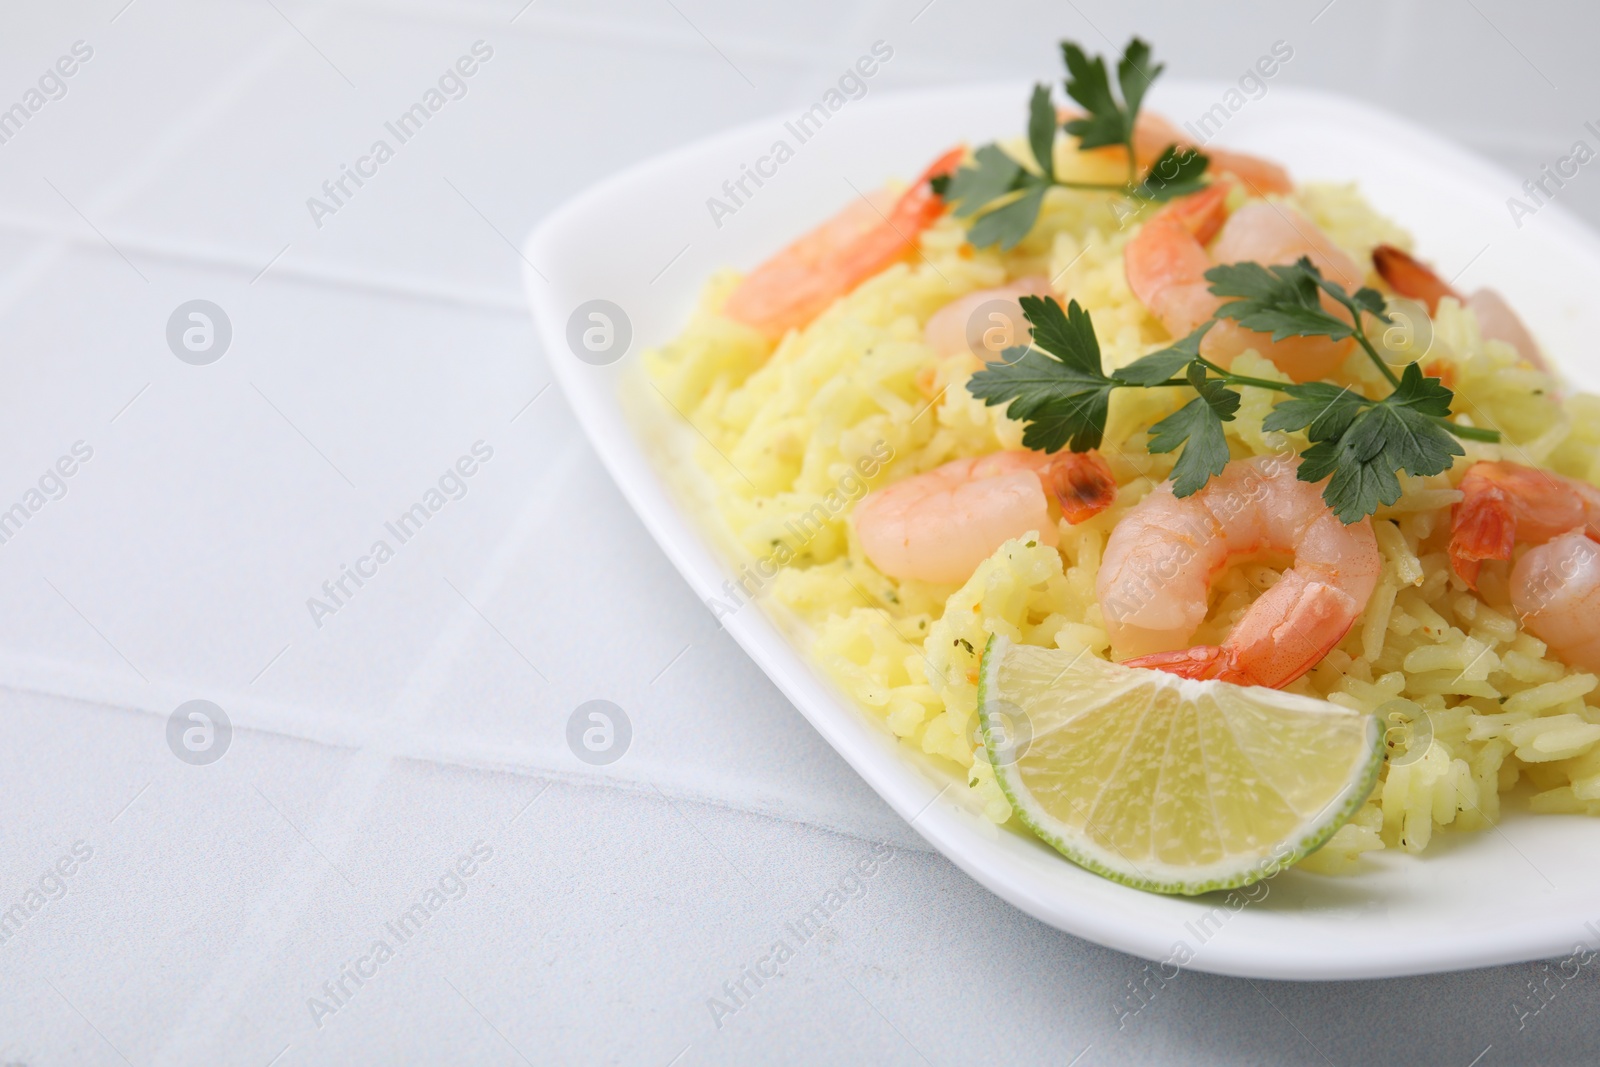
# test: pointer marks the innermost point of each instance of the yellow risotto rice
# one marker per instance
(1475, 705)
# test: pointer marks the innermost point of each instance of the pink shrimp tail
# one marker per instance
(1203, 213)
(1482, 527)
(1081, 483)
(1412, 278)
(1202, 663)
(1274, 654)
(1503, 504)
(920, 204)
(1218, 663)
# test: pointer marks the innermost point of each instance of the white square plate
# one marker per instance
(646, 240)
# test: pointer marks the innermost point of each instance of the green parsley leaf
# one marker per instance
(1106, 123)
(1056, 386)
(1324, 411)
(1426, 395)
(1009, 224)
(1061, 406)
(1134, 74)
(991, 175)
(1364, 299)
(1197, 426)
(1068, 336)
(1042, 130)
(1160, 366)
(1358, 486)
(1176, 172)
(1397, 433)
(986, 186)
(1285, 301)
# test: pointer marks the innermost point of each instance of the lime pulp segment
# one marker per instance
(1164, 783)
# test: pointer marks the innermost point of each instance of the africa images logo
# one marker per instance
(199, 732)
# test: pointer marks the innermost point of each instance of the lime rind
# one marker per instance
(1227, 874)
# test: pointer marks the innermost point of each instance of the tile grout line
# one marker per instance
(354, 279)
(362, 779)
(105, 201)
(432, 750)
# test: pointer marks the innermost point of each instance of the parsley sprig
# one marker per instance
(1006, 196)
(1059, 389)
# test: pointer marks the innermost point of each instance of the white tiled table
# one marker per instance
(427, 715)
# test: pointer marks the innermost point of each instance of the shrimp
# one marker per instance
(1503, 504)
(949, 330)
(982, 323)
(1161, 558)
(1496, 321)
(796, 285)
(939, 525)
(1152, 134)
(1166, 261)
(1555, 586)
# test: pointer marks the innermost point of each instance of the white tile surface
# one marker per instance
(369, 355)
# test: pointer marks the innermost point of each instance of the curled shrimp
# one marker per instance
(1503, 504)
(939, 525)
(1161, 558)
(1496, 321)
(1555, 586)
(950, 329)
(796, 285)
(1152, 134)
(1167, 259)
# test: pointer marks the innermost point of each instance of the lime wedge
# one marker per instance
(1168, 784)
